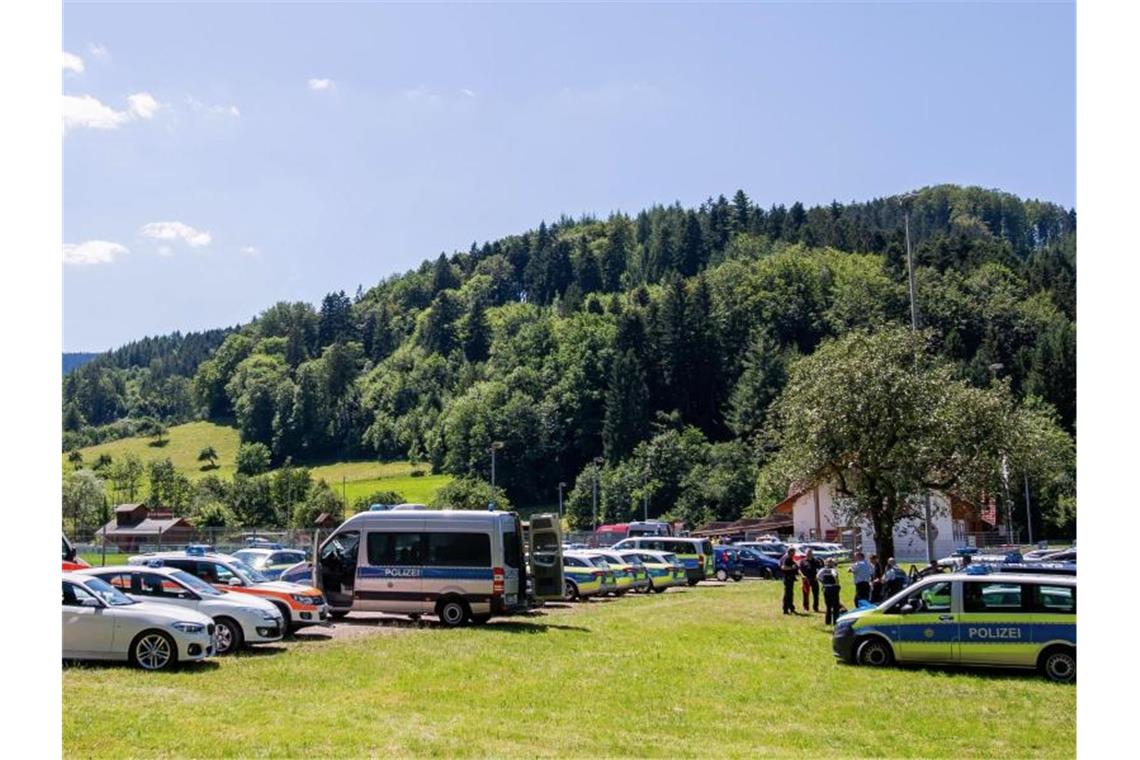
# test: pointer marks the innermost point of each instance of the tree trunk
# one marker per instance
(884, 526)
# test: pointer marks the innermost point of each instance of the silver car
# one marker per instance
(102, 623)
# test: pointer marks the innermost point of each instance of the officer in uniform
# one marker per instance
(810, 566)
(829, 579)
(790, 570)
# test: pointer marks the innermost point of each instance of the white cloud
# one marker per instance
(176, 231)
(143, 105)
(86, 111)
(250, 250)
(99, 51)
(234, 111)
(320, 84)
(215, 110)
(165, 250)
(92, 252)
(72, 63)
(467, 92)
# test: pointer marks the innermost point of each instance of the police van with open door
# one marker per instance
(462, 566)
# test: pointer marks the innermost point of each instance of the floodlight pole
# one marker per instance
(1028, 520)
(597, 460)
(560, 487)
(906, 202)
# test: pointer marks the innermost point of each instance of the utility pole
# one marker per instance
(495, 445)
(1028, 519)
(906, 201)
(597, 461)
(560, 487)
(1005, 492)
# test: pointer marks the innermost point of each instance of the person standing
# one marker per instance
(894, 579)
(861, 571)
(829, 579)
(789, 569)
(876, 579)
(810, 566)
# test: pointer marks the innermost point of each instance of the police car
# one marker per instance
(974, 618)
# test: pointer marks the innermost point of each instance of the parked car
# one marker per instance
(300, 605)
(773, 549)
(636, 576)
(665, 569)
(102, 623)
(695, 553)
(726, 563)
(609, 574)
(71, 558)
(582, 578)
(239, 619)
(970, 618)
(270, 562)
(756, 564)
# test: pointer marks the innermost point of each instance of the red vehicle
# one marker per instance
(71, 558)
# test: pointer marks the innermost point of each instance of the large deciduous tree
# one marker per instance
(885, 419)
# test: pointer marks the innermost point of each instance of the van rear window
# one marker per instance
(512, 549)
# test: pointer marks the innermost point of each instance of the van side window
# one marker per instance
(460, 549)
(394, 549)
(992, 597)
(1055, 600)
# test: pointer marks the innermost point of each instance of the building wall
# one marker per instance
(910, 544)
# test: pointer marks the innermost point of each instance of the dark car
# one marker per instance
(755, 564)
(726, 563)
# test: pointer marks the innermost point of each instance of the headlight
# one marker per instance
(188, 627)
(302, 599)
(843, 627)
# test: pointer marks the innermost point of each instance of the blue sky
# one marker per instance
(221, 157)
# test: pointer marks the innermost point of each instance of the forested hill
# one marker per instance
(657, 337)
(74, 359)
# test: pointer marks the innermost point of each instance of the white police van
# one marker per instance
(463, 566)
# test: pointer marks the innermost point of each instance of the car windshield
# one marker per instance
(110, 595)
(671, 558)
(248, 574)
(194, 583)
(632, 559)
(599, 562)
(252, 558)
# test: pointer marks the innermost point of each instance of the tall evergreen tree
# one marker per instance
(443, 275)
(335, 319)
(588, 274)
(616, 253)
(476, 331)
(627, 407)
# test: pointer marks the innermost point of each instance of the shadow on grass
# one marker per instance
(958, 671)
(257, 650)
(182, 667)
(499, 625)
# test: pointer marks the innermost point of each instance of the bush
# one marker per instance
(469, 493)
(252, 458)
(379, 497)
(417, 473)
(321, 498)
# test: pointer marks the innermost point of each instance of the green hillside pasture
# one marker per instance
(416, 490)
(695, 672)
(182, 446)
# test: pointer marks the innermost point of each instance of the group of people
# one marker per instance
(874, 581)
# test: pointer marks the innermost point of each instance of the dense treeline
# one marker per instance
(655, 343)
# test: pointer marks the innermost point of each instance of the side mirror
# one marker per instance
(89, 602)
(906, 609)
(235, 582)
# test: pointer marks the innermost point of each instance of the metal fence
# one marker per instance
(226, 540)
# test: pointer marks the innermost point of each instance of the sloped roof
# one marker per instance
(147, 527)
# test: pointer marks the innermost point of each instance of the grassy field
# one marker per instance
(358, 478)
(693, 672)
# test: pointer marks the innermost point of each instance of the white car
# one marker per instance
(102, 623)
(270, 562)
(238, 618)
(300, 605)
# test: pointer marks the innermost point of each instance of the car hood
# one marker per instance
(169, 612)
(239, 599)
(287, 588)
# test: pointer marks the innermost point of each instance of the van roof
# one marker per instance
(431, 515)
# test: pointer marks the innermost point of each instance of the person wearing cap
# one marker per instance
(829, 580)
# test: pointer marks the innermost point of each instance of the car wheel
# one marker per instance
(286, 618)
(153, 650)
(694, 581)
(227, 636)
(337, 614)
(766, 573)
(570, 592)
(1059, 665)
(876, 653)
(721, 575)
(452, 612)
(737, 578)
(480, 619)
(659, 589)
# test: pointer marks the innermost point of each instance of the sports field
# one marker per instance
(697, 672)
